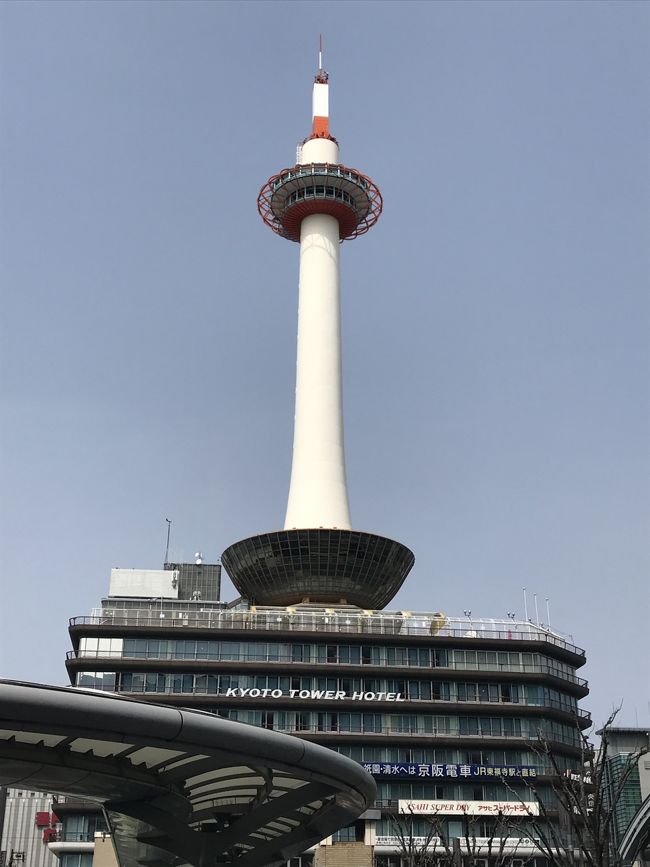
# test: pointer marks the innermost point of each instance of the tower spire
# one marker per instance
(320, 99)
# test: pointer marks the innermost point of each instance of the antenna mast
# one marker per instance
(169, 527)
(321, 76)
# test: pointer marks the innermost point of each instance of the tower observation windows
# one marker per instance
(320, 192)
(289, 192)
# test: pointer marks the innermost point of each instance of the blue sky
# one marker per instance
(495, 321)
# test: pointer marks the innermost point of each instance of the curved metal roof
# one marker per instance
(178, 786)
(637, 835)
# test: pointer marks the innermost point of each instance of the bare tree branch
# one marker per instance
(586, 799)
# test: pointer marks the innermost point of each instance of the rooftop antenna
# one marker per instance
(322, 77)
(169, 527)
(548, 613)
(536, 611)
(525, 606)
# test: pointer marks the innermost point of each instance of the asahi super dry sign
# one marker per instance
(470, 808)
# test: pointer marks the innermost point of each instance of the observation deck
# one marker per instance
(319, 188)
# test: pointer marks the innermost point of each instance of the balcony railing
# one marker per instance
(495, 668)
(449, 732)
(330, 621)
(72, 836)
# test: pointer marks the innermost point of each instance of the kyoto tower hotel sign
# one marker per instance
(318, 557)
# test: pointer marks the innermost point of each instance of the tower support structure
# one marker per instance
(318, 492)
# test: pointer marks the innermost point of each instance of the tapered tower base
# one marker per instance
(321, 565)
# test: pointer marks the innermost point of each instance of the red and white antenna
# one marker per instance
(320, 99)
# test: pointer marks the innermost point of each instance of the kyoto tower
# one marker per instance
(318, 557)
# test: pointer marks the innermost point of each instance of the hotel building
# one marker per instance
(437, 708)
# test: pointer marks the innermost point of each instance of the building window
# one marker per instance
(396, 656)
(372, 723)
(351, 655)
(350, 722)
(77, 859)
(468, 725)
(345, 835)
(440, 659)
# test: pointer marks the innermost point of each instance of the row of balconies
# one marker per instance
(77, 660)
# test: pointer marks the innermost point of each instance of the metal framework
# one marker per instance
(320, 188)
(322, 565)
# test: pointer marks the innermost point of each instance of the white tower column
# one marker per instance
(318, 492)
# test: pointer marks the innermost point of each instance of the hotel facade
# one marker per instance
(446, 713)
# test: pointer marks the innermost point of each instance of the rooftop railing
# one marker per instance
(330, 621)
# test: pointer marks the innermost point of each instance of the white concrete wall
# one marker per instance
(320, 101)
(318, 492)
(320, 150)
(20, 832)
(150, 583)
